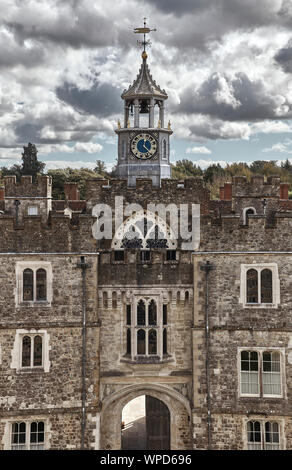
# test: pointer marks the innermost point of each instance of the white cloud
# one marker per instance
(205, 163)
(85, 43)
(88, 147)
(195, 150)
(279, 147)
(60, 164)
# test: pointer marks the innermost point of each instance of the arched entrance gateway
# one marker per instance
(145, 417)
(145, 424)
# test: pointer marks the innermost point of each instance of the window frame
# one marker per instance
(34, 266)
(260, 351)
(262, 444)
(159, 326)
(259, 267)
(27, 445)
(245, 210)
(33, 208)
(32, 337)
(16, 362)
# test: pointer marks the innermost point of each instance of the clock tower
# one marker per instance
(143, 139)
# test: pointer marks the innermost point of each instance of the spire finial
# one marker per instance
(145, 30)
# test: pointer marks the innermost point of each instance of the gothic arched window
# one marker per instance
(34, 285)
(259, 286)
(145, 230)
(152, 313)
(146, 330)
(37, 351)
(41, 284)
(26, 351)
(28, 292)
(141, 317)
(32, 351)
(266, 286)
(263, 435)
(141, 345)
(252, 286)
(152, 342)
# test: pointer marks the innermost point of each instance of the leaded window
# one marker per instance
(252, 286)
(263, 435)
(259, 286)
(28, 435)
(32, 351)
(41, 284)
(28, 291)
(34, 285)
(146, 332)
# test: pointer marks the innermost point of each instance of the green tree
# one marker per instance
(61, 176)
(100, 167)
(30, 163)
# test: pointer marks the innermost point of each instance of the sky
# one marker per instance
(226, 66)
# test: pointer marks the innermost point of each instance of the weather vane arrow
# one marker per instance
(145, 30)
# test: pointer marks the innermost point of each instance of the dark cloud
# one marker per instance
(27, 132)
(284, 57)
(180, 7)
(14, 54)
(100, 100)
(195, 24)
(213, 129)
(236, 99)
(73, 25)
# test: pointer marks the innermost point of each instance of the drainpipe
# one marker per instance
(83, 266)
(16, 204)
(207, 268)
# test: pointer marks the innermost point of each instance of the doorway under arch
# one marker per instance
(145, 424)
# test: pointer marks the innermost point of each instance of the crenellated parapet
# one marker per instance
(61, 233)
(251, 215)
(171, 191)
(26, 188)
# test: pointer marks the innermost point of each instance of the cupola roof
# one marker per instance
(144, 86)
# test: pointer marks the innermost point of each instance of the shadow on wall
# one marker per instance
(134, 435)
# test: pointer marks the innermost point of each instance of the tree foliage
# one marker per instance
(214, 176)
(30, 163)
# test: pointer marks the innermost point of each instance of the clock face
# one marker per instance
(143, 146)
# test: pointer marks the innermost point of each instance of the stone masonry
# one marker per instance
(91, 366)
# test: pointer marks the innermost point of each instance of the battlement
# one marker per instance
(26, 188)
(259, 187)
(190, 190)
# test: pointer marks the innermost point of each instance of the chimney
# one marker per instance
(221, 193)
(71, 191)
(2, 194)
(283, 190)
(228, 191)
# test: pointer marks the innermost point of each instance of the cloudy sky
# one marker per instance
(225, 64)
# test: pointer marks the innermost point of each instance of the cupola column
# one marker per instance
(136, 113)
(151, 113)
(126, 114)
(161, 114)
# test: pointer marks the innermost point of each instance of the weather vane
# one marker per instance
(145, 30)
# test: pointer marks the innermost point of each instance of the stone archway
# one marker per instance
(179, 415)
(146, 424)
